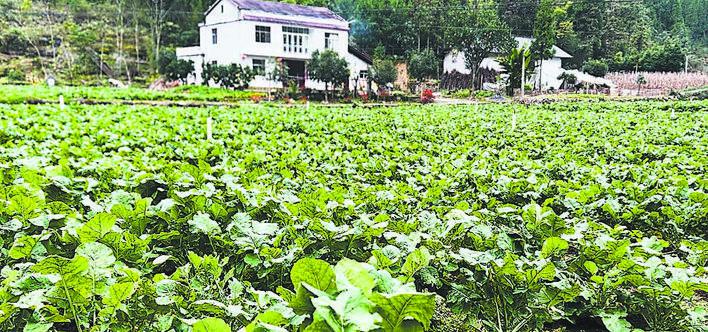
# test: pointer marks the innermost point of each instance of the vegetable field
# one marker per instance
(560, 217)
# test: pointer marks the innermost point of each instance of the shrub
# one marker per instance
(231, 76)
(14, 75)
(595, 68)
(480, 94)
(464, 93)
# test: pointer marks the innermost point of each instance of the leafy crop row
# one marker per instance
(576, 215)
(18, 94)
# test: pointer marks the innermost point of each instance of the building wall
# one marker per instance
(549, 72)
(455, 61)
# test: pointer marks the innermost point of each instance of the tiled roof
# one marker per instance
(287, 9)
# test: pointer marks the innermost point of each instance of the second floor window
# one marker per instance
(331, 40)
(295, 40)
(262, 34)
(214, 36)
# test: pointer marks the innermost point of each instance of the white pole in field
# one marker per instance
(62, 106)
(209, 128)
(523, 72)
(685, 66)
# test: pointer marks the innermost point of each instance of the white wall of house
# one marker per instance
(195, 55)
(228, 35)
(548, 71)
(455, 61)
(359, 73)
(552, 68)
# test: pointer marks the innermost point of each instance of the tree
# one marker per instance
(175, 69)
(641, 80)
(596, 68)
(158, 12)
(569, 80)
(328, 67)
(383, 72)
(512, 64)
(545, 30)
(478, 32)
(422, 65)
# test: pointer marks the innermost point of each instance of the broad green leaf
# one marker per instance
(37, 327)
(118, 293)
(269, 317)
(317, 273)
(202, 223)
(396, 309)
(99, 255)
(211, 324)
(64, 267)
(591, 267)
(415, 261)
(96, 228)
(617, 323)
(350, 274)
(24, 247)
(553, 246)
(351, 309)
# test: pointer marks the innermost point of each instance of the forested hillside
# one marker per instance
(81, 40)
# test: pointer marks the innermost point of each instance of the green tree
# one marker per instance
(328, 67)
(383, 72)
(422, 65)
(478, 32)
(596, 68)
(545, 31)
(175, 69)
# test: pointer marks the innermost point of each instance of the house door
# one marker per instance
(296, 71)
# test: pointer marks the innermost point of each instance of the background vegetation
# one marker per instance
(85, 41)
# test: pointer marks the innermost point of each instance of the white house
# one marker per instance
(259, 34)
(549, 71)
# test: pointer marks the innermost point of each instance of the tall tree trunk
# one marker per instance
(137, 47)
(326, 91)
(540, 76)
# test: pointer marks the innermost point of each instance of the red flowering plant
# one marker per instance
(427, 96)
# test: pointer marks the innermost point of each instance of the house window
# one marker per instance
(331, 40)
(262, 34)
(214, 36)
(214, 63)
(259, 66)
(364, 74)
(295, 40)
(222, 9)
